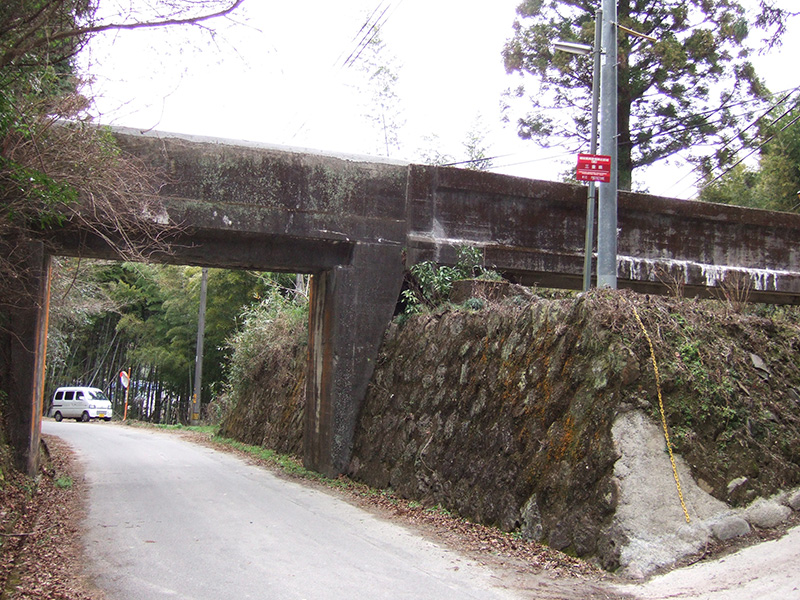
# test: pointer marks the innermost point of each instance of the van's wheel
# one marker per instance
(85, 416)
(107, 419)
(58, 416)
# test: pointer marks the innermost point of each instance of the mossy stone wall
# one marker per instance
(500, 415)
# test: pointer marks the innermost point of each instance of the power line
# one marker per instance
(752, 124)
(756, 121)
(681, 121)
(749, 154)
(470, 161)
(535, 160)
(369, 31)
(363, 27)
(699, 180)
(786, 95)
(767, 141)
(368, 36)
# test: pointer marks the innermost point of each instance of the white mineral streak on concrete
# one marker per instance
(437, 236)
(159, 218)
(647, 269)
(340, 234)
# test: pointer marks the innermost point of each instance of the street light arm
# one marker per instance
(636, 33)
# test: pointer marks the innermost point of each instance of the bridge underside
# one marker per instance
(355, 225)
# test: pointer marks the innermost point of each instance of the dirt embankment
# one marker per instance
(40, 526)
(507, 415)
(267, 407)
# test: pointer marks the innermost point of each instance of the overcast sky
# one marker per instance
(275, 74)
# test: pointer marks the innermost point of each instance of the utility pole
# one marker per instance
(607, 201)
(198, 360)
(597, 51)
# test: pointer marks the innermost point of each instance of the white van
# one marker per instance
(80, 403)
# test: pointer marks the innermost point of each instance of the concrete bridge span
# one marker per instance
(355, 224)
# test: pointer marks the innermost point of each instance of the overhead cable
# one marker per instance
(368, 35)
(748, 155)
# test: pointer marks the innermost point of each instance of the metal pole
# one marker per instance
(597, 56)
(607, 202)
(198, 360)
(127, 392)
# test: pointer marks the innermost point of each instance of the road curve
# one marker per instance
(172, 519)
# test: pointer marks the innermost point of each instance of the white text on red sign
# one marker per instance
(594, 167)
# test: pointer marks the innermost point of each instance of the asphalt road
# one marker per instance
(172, 519)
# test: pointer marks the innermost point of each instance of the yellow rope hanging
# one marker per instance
(663, 416)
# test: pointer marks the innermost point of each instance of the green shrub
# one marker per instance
(271, 329)
(474, 303)
(429, 284)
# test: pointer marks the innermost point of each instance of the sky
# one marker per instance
(275, 73)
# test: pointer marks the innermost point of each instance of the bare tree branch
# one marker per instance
(36, 37)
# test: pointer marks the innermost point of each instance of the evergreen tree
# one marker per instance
(692, 87)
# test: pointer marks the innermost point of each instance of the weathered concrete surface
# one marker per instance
(347, 221)
(257, 207)
(299, 211)
(350, 309)
(533, 231)
(23, 340)
(701, 244)
(254, 206)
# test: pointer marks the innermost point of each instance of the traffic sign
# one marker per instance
(594, 167)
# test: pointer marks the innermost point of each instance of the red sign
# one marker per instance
(594, 167)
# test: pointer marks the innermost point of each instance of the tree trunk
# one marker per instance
(624, 149)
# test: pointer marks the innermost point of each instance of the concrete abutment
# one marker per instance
(350, 308)
(23, 348)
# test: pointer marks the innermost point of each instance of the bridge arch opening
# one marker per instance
(353, 292)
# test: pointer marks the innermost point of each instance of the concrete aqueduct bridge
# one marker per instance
(355, 223)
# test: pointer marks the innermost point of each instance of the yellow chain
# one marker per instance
(663, 416)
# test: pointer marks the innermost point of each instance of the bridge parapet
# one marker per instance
(533, 232)
(254, 188)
